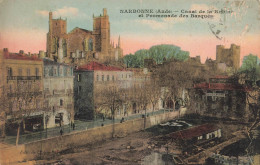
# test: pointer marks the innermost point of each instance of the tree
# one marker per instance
(21, 100)
(178, 76)
(142, 100)
(109, 99)
(158, 53)
(251, 83)
(153, 93)
(250, 63)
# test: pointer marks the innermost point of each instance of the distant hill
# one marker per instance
(158, 53)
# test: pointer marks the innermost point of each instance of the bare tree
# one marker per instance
(153, 93)
(175, 76)
(142, 99)
(109, 99)
(22, 99)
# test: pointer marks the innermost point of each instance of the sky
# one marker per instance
(24, 24)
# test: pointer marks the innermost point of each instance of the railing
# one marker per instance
(79, 126)
(23, 77)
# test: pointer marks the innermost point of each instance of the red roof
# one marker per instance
(98, 66)
(18, 56)
(193, 132)
(221, 76)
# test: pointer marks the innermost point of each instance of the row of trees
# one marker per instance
(158, 53)
(171, 82)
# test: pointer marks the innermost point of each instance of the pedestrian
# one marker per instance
(73, 126)
(61, 132)
(103, 118)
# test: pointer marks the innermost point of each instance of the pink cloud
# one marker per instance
(28, 40)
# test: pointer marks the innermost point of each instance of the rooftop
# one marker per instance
(193, 132)
(219, 86)
(47, 61)
(92, 66)
(19, 56)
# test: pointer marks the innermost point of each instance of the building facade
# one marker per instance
(80, 45)
(91, 81)
(22, 87)
(222, 97)
(58, 93)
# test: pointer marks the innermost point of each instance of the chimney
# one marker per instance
(104, 12)
(6, 52)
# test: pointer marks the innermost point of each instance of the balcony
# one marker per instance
(23, 78)
(24, 94)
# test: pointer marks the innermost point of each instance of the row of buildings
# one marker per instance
(40, 92)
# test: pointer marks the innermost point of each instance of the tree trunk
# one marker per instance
(18, 134)
(113, 126)
(144, 118)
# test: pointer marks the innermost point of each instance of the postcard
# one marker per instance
(129, 82)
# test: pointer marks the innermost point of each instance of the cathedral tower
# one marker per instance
(57, 30)
(101, 30)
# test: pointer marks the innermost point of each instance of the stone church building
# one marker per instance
(81, 46)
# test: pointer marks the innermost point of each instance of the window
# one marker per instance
(38, 103)
(90, 44)
(125, 75)
(61, 102)
(28, 72)
(51, 71)
(36, 71)
(20, 72)
(66, 70)
(103, 77)
(79, 77)
(113, 78)
(9, 72)
(58, 118)
(225, 108)
(97, 78)
(55, 71)
(107, 77)
(10, 88)
(79, 89)
(60, 70)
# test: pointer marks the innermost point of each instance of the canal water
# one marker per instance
(156, 158)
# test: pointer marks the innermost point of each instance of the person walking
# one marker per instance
(61, 132)
(73, 126)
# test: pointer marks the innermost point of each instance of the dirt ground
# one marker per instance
(127, 150)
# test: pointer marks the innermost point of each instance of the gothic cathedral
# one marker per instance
(81, 46)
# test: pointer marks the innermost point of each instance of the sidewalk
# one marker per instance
(79, 126)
